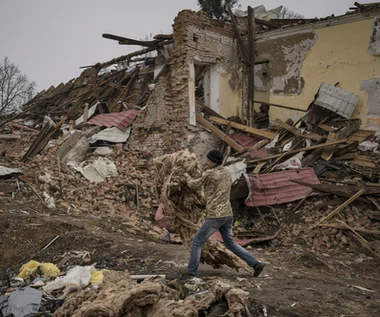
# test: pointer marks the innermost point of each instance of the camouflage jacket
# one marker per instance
(217, 184)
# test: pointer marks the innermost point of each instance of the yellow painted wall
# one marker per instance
(229, 100)
(339, 55)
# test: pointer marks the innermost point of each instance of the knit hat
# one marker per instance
(215, 156)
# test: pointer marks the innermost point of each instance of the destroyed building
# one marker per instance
(292, 104)
(204, 65)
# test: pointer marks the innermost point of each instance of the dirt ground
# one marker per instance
(294, 283)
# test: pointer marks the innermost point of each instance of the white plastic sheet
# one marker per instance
(97, 171)
(79, 275)
(113, 135)
(4, 171)
(237, 170)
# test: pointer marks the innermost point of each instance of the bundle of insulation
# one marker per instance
(119, 296)
(184, 208)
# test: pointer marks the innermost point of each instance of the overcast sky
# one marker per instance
(51, 39)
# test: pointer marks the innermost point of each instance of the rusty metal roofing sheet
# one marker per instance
(277, 188)
(338, 100)
(257, 154)
(244, 139)
(120, 120)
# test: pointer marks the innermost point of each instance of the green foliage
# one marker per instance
(216, 9)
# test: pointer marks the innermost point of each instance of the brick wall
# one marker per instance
(163, 127)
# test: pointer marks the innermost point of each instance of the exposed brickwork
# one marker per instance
(163, 127)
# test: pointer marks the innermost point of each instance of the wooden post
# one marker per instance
(243, 49)
(71, 125)
(220, 134)
(85, 114)
(251, 68)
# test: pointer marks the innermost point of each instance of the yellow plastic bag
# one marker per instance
(96, 277)
(29, 269)
(49, 270)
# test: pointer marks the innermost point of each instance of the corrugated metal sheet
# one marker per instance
(244, 140)
(360, 135)
(338, 100)
(257, 154)
(120, 120)
(277, 188)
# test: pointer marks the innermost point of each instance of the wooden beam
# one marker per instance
(9, 137)
(243, 48)
(163, 37)
(220, 134)
(343, 133)
(129, 41)
(342, 227)
(326, 128)
(357, 4)
(267, 23)
(24, 127)
(251, 68)
(242, 127)
(362, 244)
(302, 201)
(341, 207)
(299, 150)
(295, 131)
(341, 191)
(122, 58)
(142, 59)
(267, 61)
(211, 112)
(68, 145)
(156, 44)
(280, 106)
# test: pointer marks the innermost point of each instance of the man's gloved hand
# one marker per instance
(186, 177)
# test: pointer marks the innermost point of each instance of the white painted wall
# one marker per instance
(214, 88)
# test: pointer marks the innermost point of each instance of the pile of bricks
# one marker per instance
(352, 229)
(73, 194)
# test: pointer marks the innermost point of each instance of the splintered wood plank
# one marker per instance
(258, 168)
(242, 127)
(341, 207)
(220, 134)
(295, 131)
(9, 137)
(342, 227)
(297, 151)
(302, 201)
(364, 161)
(329, 151)
(251, 67)
(343, 191)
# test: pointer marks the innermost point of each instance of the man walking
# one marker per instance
(217, 183)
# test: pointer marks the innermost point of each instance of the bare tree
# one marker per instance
(287, 13)
(15, 88)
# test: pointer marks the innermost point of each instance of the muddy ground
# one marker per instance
(294, 283)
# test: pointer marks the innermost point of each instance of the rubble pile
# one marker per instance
(119, 295)
(74, 194)
(72, 149)
(85, 291)
(316, 180)
(184, 208)
(129, 194)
